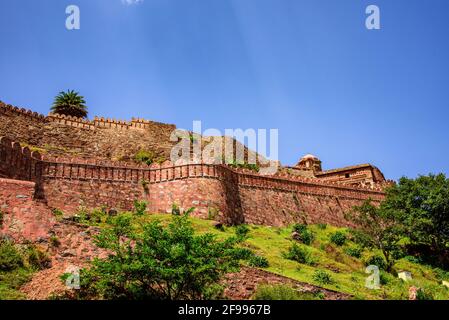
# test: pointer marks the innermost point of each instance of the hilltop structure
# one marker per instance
(58, 162)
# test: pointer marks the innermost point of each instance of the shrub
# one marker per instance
(305, 235)
(54, 241)
(258, 261)
(160, 262)
(37, 258)
(144, 156)
(376, 260)
(140, 207)
(422, 294)
(97, 216)
(242, 231)
(322, 277)
(282, 292)
(243, 254)
(10, 257)
(412, 259)
(338, 238)
(58, 213)
(322, 226)
(244, 165)
(355, 252)
(176, 211)
(299, 254)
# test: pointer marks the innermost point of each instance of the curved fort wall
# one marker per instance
(238, 195)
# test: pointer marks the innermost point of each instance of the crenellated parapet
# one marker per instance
(12, 110)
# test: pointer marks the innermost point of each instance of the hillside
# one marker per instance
(329, 266)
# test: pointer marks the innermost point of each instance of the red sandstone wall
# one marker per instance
(240, 195)
(23, 216)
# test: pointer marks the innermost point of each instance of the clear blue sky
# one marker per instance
(307, 67)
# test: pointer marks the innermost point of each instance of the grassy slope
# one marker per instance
(347, 272)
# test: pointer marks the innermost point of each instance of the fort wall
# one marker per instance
(237, 195)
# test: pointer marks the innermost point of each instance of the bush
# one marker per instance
(243, 254)
(140, 207)
(242, 231)
(54, 241)
(298, 254)
(160, 262)
(37, 259)
(176, 211)
(422, 294)
(322, 277)
(413, 259)
(338, 238)
(376, 260)
(10, 257)
(322, 226)
(355, 252)
(144, 156)
(258, 261)
(97, 216)
(282, 292)
(58, 213)
(305, 235)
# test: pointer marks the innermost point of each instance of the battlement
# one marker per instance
(9, 109)
(97, 122)
(80, 172)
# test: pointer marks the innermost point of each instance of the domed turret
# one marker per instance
(309, 162)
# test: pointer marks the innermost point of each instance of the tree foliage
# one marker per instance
(70, 103)
(422, 206)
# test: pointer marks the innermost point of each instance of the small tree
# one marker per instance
(159, 263)
(380, 227)
(70, 103)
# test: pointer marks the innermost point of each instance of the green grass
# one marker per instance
(10, 283)
(347, 273)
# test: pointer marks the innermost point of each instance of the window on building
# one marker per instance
(347, 175)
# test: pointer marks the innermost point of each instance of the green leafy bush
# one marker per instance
(322, 277)
(376, 260)
(145, 156)
(140, 207)
(422, 294)
(306, 236)
(299, 254)
(242, 231)
(37, 258)
(338, 238)
(413, 259)
(160, 262)
(10, 257)
(258, 261)
(54, 241)
(322, 226)
(244, 165)
(282, 292)
(58, 213)
(176, 211)
(355, 252)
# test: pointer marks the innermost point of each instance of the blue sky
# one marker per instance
(307, 67)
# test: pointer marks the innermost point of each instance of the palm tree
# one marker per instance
(70, 103)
